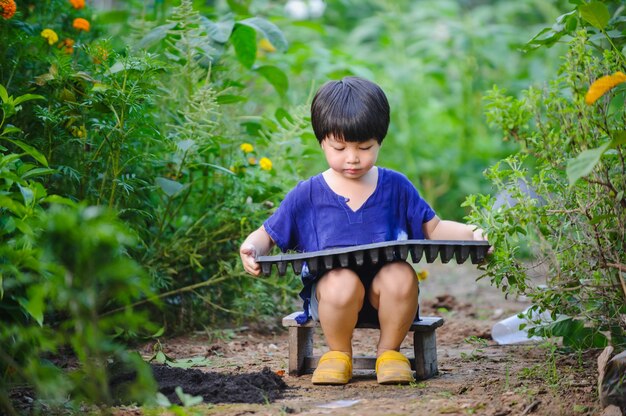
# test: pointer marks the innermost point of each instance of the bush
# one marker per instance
(573, 159)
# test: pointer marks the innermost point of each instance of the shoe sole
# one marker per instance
(396, 381)
(329, 382)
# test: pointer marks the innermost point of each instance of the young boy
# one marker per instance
(354, 202)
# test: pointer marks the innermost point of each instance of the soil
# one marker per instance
(261, 387)
(476, 376)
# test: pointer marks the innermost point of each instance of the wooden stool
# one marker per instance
(301, 358)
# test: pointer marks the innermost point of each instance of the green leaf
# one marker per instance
(159, 332)
(187, 399)
(38, 172)
(220, 32)
(619, 138)
(268, 30)
(599, 218)
(27, 194)
(27, 97)
(244, 42)
(190, 362)
(13, 206)
(239, 6)
(24, 227)
(584, 163)
(4, 95)
(230, 99)
(162, 400)
(216, 167)
(283, 117)
(29, 150)
(160, 357)
(595, 13)
(154, 36)
(10, 129)
(276, 77)
(57, 199)
(171, 188)
(35, 304)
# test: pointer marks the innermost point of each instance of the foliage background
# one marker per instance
(186, 122)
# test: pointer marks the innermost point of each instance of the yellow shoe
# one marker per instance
(393, 368)
(334, 367)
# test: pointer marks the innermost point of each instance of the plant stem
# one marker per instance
(189, 288)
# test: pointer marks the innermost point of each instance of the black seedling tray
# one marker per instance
(377, 252)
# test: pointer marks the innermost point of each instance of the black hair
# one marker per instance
(353, 109)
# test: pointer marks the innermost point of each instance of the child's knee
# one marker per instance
(398, 279)
(340, 287)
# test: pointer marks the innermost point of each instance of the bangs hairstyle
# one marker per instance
(353, 109)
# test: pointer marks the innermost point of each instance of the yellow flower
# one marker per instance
(266, 45)
(246, 148)
(50, 35)
(81, 24)
(602, 85)
(8, 8)
(265, 163)
(422, 275)
(100, 54)
(252, 160)
(78, 4)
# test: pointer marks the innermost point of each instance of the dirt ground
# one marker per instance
(476, 376)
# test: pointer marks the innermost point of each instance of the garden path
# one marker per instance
(476, 376)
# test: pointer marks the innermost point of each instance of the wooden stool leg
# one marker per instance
(300, 347)
(425, 346)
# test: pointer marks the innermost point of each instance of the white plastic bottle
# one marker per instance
(508, 330)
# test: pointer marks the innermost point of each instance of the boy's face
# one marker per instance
(350, 159)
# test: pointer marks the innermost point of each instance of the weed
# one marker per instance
(477, 344)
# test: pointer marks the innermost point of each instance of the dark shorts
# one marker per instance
(366, 273)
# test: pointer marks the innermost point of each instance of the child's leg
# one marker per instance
(340, 295)
(394, 294)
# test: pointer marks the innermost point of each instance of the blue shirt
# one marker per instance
(313, 217)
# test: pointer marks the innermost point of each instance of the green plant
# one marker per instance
(547, 371)
(478, 345)
(574, 219)
(82, 271)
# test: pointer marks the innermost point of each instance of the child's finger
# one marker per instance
(252, 266)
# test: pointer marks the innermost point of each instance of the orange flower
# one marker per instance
(8, 8)
(603, 85)
(68, 45)
(78, 4)
(81, 24)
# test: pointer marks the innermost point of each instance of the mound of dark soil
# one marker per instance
(261, 387)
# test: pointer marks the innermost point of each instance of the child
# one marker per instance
(354, 202)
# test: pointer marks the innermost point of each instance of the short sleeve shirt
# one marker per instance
(313, 217)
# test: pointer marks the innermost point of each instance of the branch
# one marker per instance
(618, 266)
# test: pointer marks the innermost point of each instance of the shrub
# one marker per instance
(572, 157)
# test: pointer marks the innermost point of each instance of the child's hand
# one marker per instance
(248, 258)
(479, 235)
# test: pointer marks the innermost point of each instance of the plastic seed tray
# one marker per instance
(377, 252)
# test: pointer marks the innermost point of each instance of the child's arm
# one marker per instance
(438, 229)
(259, 243)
